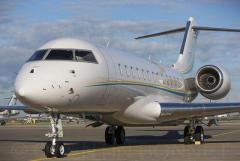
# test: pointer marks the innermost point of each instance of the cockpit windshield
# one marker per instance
(64, 54)
(85, 56)
(60, 55)
(38, 55)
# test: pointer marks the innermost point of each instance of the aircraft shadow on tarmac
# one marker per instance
(171, 137)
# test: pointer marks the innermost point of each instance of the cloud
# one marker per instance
(89, 5)
(6, 7)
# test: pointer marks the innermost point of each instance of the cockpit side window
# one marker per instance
(38, 55)
(85, 56)
(60, 54)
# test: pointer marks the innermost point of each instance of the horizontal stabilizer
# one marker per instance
(214, 29)
(196, 28)
(162, 33)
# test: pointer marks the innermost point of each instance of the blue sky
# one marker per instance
(26, 25)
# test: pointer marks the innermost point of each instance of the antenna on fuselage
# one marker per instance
(149, 58)
(108, 42)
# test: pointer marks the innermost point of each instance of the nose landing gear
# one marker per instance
(113, 133)
(54, 147)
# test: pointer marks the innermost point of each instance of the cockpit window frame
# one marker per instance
(90, 51)
(43, 58)
(74, 55)
(49, 50)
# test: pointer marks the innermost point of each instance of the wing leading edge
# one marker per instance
(176, 111)
(13, 107)
(20, 108)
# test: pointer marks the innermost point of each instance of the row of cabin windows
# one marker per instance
(141, 74)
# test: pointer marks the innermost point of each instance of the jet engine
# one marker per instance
(212, 82)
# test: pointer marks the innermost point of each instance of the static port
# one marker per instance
(32, 71)
(72, 71)
(71, 91)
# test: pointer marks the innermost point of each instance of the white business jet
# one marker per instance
(69, 76)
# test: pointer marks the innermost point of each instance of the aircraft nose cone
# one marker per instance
(22, 89)
(20, 92)
(24, 94)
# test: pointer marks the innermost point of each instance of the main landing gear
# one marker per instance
(114, 133)
(54, 147)
(193, 134)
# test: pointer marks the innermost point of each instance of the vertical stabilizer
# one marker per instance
(185, 60)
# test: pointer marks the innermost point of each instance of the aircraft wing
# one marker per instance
(155, 109)
(20, 108)
(177, 111)
(13, 107)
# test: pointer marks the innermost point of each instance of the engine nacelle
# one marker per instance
(213, 82)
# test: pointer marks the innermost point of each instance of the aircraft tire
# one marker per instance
(120, 135)
(109, 136)
(199, 134)
(187, 135)
(59, 150)
(49, 152)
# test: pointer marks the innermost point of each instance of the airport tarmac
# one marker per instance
(26, 142)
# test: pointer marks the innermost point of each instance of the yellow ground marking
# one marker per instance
(197, 143)
(85, 152)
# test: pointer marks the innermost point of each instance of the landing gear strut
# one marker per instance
(113, 134)
(193, 134)
(54, 147)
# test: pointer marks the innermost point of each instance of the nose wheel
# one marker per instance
(54, 147)
(113, 134)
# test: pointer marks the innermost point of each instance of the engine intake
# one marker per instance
(212, 82)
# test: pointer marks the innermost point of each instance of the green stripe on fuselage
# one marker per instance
(170, 90)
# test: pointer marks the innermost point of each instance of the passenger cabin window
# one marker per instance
(38, 55)
(120, 69)
(85, 56)
(132, 72)
(138, 73)
(60, 55)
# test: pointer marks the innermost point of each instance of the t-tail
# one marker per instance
(185, 61)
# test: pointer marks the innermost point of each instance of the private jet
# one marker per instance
(71, 76)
